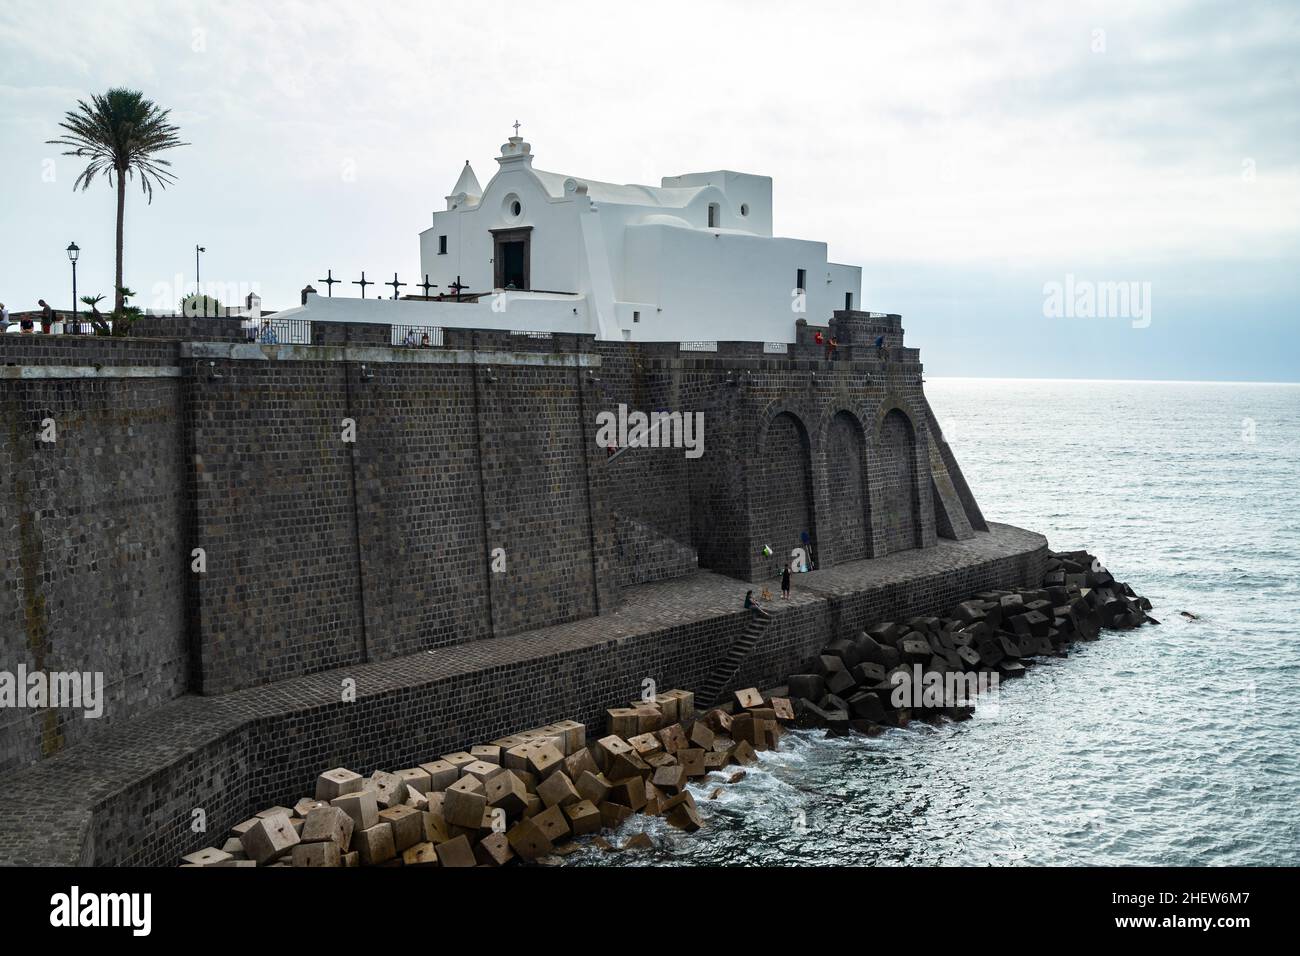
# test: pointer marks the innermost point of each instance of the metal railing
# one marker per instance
(417, 336)
(698, 346)
(270, 331)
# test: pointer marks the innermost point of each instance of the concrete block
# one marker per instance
(407, 824)
(593, 787)
(528, 841)
(239, 829)
(558, 789)
(623, 722)
(609, 747)
(337, 782)
(375, 844)
(612, 814)
(486, 753)
(692, 760)
(352, 859)
(422, 854)
(306, 805)
(544, 760)
(685, 704)
(328, 824)
(481, 770)
(516, 758)
(626, 765)
(680, 811)
(744, 753)
(442, 774)
(507, 792)
(808, 686)
(629, 791)
(533, 805)
(234, 848)
(456, 853)
(701, 736)
(208, 856)
(494, 850)
(416, 799)
(269, 838)
(647, 745)
(436, 829)
(668, 707)
(389, 788)
(749, 697)
(579, 762)
(361, 806)
(415, 778)
(463, 807)
(673, 738)
(553, 823)
(325, 854)
(716, 760)
(583, 817)
(671, 779)
(653, 796)
(783, 707)
(574, 733)
(655, 761)
(717, 720)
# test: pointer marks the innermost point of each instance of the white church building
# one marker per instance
(691, 259)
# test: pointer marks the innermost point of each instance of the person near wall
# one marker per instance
(268, 336)
(47, 316)
(752, 605)
(4, 317)
(881, 350)
(424, 341)
(785, 583)
(831, 346)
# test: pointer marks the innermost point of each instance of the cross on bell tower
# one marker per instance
(516, 127)
(329, 281)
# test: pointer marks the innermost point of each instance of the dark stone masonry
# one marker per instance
(438, 525)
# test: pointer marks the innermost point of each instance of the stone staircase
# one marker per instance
(707, 694)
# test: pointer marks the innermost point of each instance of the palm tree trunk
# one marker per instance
(121, 212)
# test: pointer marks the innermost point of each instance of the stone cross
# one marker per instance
(516, 127)
(363, 283)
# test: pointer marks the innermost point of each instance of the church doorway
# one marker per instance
(510, 257)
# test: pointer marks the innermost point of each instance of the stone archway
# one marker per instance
(897, 502)
(847, 533)
(787, 491)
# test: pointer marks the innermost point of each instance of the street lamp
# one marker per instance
(73, 252)
(198, 288)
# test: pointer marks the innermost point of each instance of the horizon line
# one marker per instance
(1130, 381)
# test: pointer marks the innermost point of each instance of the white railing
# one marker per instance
(698, 346)
(776, 348)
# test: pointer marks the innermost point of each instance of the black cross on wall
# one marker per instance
(363, 283)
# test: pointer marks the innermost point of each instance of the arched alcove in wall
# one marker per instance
(897, 502)
(847, 529)
(786, 511)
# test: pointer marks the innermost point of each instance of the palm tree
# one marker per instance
(121, 133)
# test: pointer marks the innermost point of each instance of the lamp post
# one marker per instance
(73, 252)
(198, 288)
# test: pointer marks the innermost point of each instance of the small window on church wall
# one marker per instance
(442, 245)
(516, 208)
(636, 316)
(744, 209)
(848, 301)
(801, 280)
(714, 215)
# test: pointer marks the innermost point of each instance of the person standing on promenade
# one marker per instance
(785, 583)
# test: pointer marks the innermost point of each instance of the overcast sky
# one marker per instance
(963, 155)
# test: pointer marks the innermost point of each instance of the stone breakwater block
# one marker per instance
(375, 844)
(416, 799)
(361, 807)
(208, 856)
(317, 854)
(680, 811)
(609, 747)
(306, 805)
(648, 719)
(389, 788)
(915, 648)
(744, 753)
(528, 841)
(583, 817)
(273, 811)
(516, 758)
(459, 758)
(593, 786)
(553, 823)
(807, 686)
(647, 745)
(717, 720)
(783, 707)
(486, 753)
(407, 824)
(613, 814)
(269, 838)
(623, 722)
(749, 697)
(352, 860)
(436, 829)
(668, 707)
(844, 649)
(574, 733)
(885, 633)
(463, 806)
(867, 673)
(337, 782)
(692, 761)
(674, 738)
(328, 824)
(507, 792)
(457, 853)
(629, 791)
(481, 770)
(579, 762)
(442, 774)
(415, 778)
(701, 736)
(868, 649)
(239, 829)
(422, 854)
(235, 848)
(626, 765)
(545, 760)
(558, 789)
(494, 850)
(685, 704)
(866, 705)
(670, 779)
